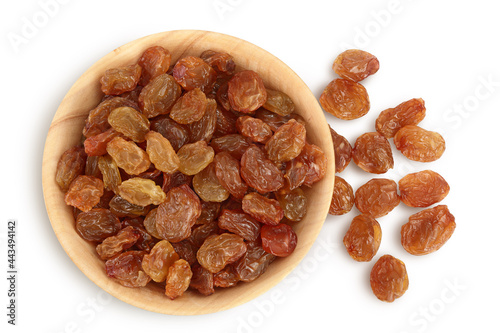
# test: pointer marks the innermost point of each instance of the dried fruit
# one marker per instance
(208, 187)
(177, 214)
(84, 192)
(161, 153)
(254, 129)
(362, 240)
(390, 121)
(114, 245)
(130, 122)
(116, 81)
(343, 197)
(126, 269)
(176, 134)
(192, 72)
(202, 280)
(128, 156)
(70, 165)
(418, 144)
(121, 208)
(204, 128)
(259, 172)
(159, 95)
(195, 157)
(274, 120)
(226, 122)
(377, 197)
(110, 173)
(96, 145)
(316, 162)
(345, 99)
(97, 121)
(141, 192)
(234, 144)
(423, 189)
(246, 91)
(186, 250)
(253, 263)
(279, 103)
(190, 107)
(388, 278)
(265, 210)
(239, 223)
(176, 179)
(342, 149)
(287, 142)
(159, 260)
(97, 224)
(220, 250)
(294, 204)
(355, 65)
(372, 153)
(227, 170)
(226, 278)
(150, 223)
(178, 279)
(428, 230)
(202, 232)
(154, 62)
(220, 61)
(279, 240)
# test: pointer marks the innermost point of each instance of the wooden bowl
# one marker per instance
(65, 132)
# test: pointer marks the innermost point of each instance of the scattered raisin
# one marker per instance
(342, 149)
(390, 121)
(423, 189)
(418, 144)
(343, 197)
(377, 197)
(362, 240)
(372, 153)
(345, 99)
(388, 278)
(355, 65)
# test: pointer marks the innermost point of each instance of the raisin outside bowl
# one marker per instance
(66, 131)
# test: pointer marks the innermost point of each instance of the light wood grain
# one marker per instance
(65, 132)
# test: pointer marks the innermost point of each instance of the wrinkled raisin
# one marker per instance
(159, 95)
(355, 65)
(342, 149)
(279, 103)
(192, 72)
(130, 122)
(267, 211)
(279, 240)
(126, 269)
(362, 240)
(128, 156)
(161, 153)
(343, 197)
(246, 91)
(119, 80)
(220, 250)
(114, 245)
(377, 197)
(254, 129)
(110, 173)
(204, 128)
(178, 279)
(220, 61)
(195, 157)
(390, 121)
(84, 192)
(175, 133)
(190, 107)
(158, 261)
(253, 263)
(207, 185)
(142, 192)
(154, 62)
(227, 170)
(345, 99)
(294, 204)
(423, 189)
(388, 278)
(239, 223)
(70, 165)
(97, 121)
(287, 142)
(202, 280)
(97, 224)
(418, 144)
(96, 145)
(372, 153)
(259, 172)
(428, 230)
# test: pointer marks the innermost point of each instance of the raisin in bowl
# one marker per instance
(87, 92)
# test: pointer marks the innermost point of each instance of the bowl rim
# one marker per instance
(75, 247)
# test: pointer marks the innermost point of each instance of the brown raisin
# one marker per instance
(97, 224)
(192, 72)
(126, 269)
(345, 99)
(279, 240)
(377, 197)
(177, 214)
(246, 91)
(234, 144)
(239, 223)
(158, 261)
(70, 165)
(227, 170)
(202, 280)
(418, 144)
(110, 173)
(220, 61)
(130, 122)
(154, 62)
(207, 185)
(96, 145)
(372, 153)
(355, 65)
(254, 129)
(175, 133)
(178, 279)
(204, 128)
(114, 245)
(362, 240)
(159, 95)
(388, 278)
(84, 192)
(279, 103)
(287, 142)
(226, 278)
(342, 149)
(343, 197)
(253, 263)
(423, 189)
(265, 210)
(190, 107)
(391, 120)
(220, 250)
(259, 172)
(428, 230)
(116, 81)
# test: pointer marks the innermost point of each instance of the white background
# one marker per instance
(446, 52)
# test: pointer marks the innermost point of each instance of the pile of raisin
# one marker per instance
(191, 174)
(425, 231)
